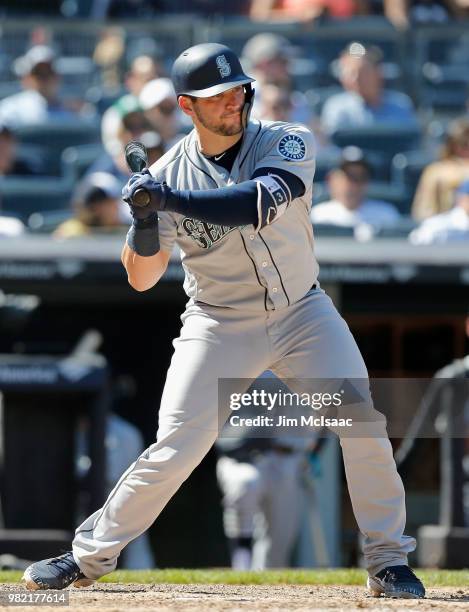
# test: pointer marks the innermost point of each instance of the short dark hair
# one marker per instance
(354, 156)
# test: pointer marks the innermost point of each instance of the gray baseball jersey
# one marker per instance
(242, 267)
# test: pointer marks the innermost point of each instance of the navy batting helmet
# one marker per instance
(206, 70)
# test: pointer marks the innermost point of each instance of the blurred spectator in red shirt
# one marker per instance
(307, 10)
(39, 101)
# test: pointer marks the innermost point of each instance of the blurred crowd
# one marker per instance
(392, 161)
(401, 13)
(388, 164)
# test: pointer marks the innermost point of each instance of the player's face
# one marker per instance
(221, 114)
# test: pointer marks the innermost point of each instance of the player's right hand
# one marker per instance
(156, 191)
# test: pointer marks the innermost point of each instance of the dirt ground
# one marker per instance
(199, 597)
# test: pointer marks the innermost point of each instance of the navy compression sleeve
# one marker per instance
(257, 201)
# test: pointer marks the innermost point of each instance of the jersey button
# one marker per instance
(264, 264)
(274, 289)
(251, 237)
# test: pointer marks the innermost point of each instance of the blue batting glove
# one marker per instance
(157, 194)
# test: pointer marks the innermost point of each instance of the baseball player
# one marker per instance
(263, 482)
(235, 196)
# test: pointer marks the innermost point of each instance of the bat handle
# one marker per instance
(141, 198)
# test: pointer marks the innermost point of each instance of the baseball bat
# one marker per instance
(137, 160)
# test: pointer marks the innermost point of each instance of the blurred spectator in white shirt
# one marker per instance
(349, 205)
(10, 227)
(450, 226)
(364, 101)
(39, 101)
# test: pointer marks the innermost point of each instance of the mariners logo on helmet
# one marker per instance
(223, 66)
(292, 146)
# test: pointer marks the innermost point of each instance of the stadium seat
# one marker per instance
(328, 229)
(388, 139)
(441, 92)
(441, 75)
(9, 88)
(406, 169)
(329, 158)
(77, 160)
(47, 221)
(24, 196)
(394, 194)
(318, 96)
(34, 156)
(401, 229)
(58, 136)
(102, 99)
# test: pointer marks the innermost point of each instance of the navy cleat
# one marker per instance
(397, 581)
(57, 573)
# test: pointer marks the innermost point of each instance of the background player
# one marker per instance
(267, 484)
(235, 196)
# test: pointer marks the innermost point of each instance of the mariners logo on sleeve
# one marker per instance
(292, 147)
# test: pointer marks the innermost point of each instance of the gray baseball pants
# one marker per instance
(307, 340)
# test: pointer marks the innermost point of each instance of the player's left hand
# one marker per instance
(157, 193)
